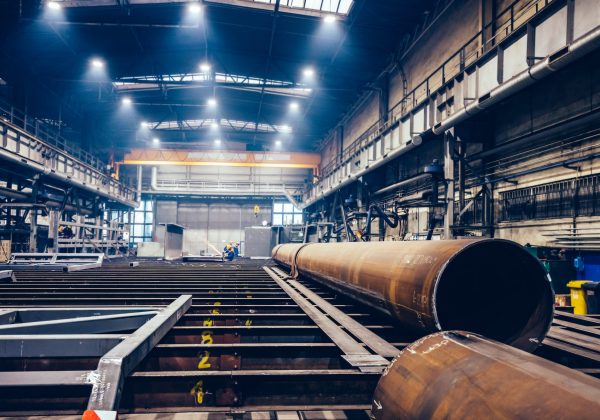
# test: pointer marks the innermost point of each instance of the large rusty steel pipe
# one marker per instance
(492, 287)
(460, 375)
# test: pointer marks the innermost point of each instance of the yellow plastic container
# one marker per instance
(578, 296)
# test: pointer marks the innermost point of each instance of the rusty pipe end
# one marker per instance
(457, 375)
(495, 288)
(274, 251)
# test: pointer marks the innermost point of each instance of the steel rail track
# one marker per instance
(243, 345)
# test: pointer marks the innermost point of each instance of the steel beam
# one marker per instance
(370, 339)
(63, 345)
(354, 352)
(7, 276)
(8, 316)
(91, 324)
(46, 378)
(47, 314)
(155, 157)
(121, 360)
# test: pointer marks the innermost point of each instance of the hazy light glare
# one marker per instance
(96, 70)
(294, 106)
(215, 125)
(329, 19)
(286, 128)
(217, 142)
(194, 8)
(308, 72)
(156, 140)
(204, 67)
(126, 101)
(53, 5)
(212, 102)
(97, 63)
(278, 143)
(143, 124)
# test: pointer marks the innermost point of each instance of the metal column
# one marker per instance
(449, 176)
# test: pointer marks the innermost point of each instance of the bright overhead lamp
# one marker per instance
(308, 72)
(155, 140)
(217, 142)
(126, 101)
(215, 125)
(286, 128)
(278, 143)
(294, 106)
(53, 5)
(143, 124)
(212, 102)
(329, 18)
(204, 67)
(194, 8)
(97, 63)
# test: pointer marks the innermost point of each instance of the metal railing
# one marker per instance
(38, 142)
(48, 134)
(218, 187)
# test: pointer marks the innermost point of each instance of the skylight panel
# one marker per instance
(340, 7)
(208, 123)
(204, 77)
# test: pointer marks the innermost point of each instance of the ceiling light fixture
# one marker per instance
(53, 5)
(155, 140)
(194, 8)
(278, 143)
(308, 72)
(126, 101)
(97, 63)
(329, 18)
(143, 124)
(205, 67)
(212, 102)
(215, 125)
(294, 106)
(217, 142)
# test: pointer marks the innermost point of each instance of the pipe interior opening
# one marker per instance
(496, 289)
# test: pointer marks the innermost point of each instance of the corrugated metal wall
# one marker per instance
(210, 223)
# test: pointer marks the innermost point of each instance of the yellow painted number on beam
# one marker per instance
(215, 311)
(203, 364)
(198, 392)
(207, 338)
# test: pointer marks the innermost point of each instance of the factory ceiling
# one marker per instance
(263, 73)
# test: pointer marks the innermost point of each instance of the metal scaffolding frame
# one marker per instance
(85, 332)
(59, 261)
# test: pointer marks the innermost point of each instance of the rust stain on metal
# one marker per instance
(458, 375)
(489, 286)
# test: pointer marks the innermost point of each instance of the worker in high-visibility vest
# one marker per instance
(229, 251)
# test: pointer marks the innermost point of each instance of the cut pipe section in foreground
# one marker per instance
(459, 375)
(492, 287)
